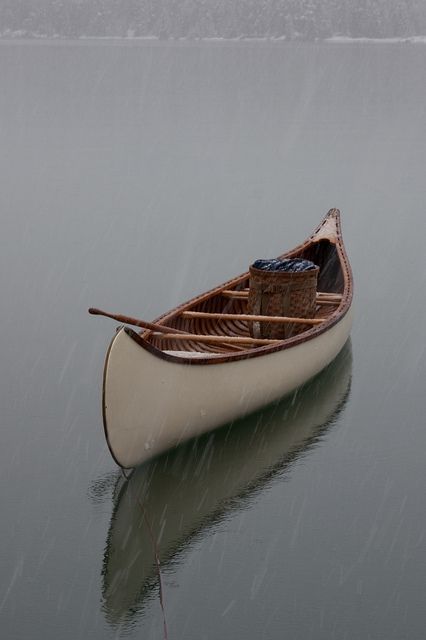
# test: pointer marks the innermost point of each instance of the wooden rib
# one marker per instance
(210, 328)
(250, 318)
(213, 328)
(220, 339)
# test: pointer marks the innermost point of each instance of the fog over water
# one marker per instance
(135, 175)
(194, 19)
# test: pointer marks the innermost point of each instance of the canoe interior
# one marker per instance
(331, 280)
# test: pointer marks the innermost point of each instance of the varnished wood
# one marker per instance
(221, 313)
(333, 299)
(243, 294)
(220, 339)
(220, 317)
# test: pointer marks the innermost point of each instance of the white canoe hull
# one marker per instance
(151, 404)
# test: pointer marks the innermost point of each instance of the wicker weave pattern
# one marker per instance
(281, 294)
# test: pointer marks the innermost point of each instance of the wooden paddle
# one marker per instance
(152, 326)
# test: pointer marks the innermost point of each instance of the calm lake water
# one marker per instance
(135, 176)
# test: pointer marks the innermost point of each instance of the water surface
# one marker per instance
(137, 175)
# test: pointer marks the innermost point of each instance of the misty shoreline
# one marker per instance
(337, 39)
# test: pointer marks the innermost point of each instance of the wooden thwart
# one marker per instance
(334, 298)
(194, 337)
(250, 318)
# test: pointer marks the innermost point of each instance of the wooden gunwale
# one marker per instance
(330, 321)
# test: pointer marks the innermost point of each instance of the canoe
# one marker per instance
(177, 498)
(201, 368)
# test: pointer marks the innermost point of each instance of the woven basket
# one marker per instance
(281, 293)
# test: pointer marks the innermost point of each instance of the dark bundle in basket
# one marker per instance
(290, 265)
(285, 288)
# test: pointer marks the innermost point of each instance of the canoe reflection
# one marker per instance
(189, 489)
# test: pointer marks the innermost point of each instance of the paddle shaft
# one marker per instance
(150, 326)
